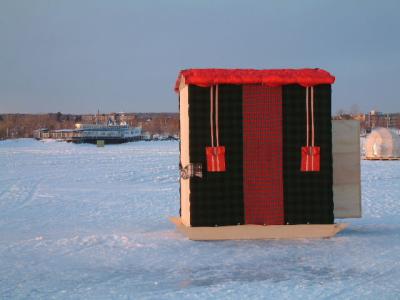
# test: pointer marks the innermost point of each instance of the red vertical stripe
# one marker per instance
(262, 152)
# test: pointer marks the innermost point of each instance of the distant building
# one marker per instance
(379, 119)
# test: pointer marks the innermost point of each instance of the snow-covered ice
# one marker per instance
(77, 221)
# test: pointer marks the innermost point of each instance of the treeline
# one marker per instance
(23, 125)
(156, 123)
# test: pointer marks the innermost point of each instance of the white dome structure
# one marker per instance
(382, 143)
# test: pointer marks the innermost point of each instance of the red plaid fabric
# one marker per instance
(262, 152)
(310, 157)
(215, 159)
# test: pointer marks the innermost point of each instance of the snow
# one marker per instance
(81, 222)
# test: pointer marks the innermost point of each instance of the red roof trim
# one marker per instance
(277, 77)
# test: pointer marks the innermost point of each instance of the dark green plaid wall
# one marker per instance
(217, 198)
(308, 196)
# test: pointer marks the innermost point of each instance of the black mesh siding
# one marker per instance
(217, 198)
(308, 196)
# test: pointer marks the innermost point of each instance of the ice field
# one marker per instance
(81, 222)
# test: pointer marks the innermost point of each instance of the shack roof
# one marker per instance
(273, 77)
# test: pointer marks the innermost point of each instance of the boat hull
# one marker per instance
(107, 140)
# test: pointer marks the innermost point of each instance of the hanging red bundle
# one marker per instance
(310, 154)
(215, 154)
(215, 159)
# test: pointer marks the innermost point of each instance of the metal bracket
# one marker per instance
(192, 170)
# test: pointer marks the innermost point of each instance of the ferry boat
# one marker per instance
(110, 133)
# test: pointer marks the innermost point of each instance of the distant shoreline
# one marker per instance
(23, 125)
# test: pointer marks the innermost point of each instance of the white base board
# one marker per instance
(258, 232)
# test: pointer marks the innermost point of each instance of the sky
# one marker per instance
(78, 56)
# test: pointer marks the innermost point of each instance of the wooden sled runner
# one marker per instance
(258, 232)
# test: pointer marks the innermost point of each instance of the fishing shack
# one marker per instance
(257, 157)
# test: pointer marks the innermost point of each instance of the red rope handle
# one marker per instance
(307, 122)
(216, 115)
(211, 115)
(312, 125)
(312, 117)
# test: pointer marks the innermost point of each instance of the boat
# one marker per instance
(110, 133)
